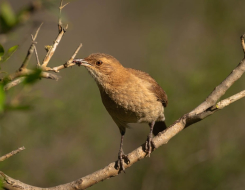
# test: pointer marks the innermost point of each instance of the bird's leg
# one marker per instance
(121, 156)
(148, 144)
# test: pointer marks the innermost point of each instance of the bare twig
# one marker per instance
(60, 8)
(37, 31)
(20, 77)
(223, 103)
(2, 158)
(52, 49)
(69, 62)
(62, 31)
(13, 83)
(49, 76)
(30, 51)
(25, 72)
(35, 49)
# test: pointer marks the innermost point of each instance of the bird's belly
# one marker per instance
(134, 110)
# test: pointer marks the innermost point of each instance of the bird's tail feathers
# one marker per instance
(159, 127)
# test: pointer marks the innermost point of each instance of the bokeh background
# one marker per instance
(189, 47)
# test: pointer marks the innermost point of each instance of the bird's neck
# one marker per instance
(115, 82)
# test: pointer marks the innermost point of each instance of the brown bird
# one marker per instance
(129, 95)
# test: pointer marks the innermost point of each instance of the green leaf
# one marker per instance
(2, 98)
(32, 78)
(9, 53)
(7, 14)
(1, 52)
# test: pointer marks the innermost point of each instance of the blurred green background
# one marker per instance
(189, 47)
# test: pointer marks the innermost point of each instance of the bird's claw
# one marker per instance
(149, 146)
(119, 164)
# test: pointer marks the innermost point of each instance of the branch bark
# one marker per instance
(2, 158)
(30, 51)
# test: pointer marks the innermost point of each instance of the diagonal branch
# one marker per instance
(30, 51)
(35, 50)
(2, 158)
(223, 103)
(62, 31)
(21, 78)
(69, 63)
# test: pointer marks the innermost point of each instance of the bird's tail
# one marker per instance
(159, 127)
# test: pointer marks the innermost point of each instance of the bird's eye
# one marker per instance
(98, 63)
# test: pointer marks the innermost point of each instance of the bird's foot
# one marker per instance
(149, 146)
(122, 158)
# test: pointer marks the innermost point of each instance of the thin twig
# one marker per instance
(35, 49)
(30, 51)
(223, 103)
(51, 51)
(69, 62)
(60, 20)
(21, 77)
(2, 158)
(14, 83)
(37, 31)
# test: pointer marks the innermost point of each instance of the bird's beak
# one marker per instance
(80, 62)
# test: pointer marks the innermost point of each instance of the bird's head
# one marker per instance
(103, 68)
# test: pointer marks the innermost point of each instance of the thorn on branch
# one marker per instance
(37, 31)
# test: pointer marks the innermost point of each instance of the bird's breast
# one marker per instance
(132, 102)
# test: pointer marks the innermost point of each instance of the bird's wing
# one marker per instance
(154, 87)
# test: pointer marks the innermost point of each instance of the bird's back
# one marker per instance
(154, 87)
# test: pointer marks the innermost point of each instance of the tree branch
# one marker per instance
(30, 51)
(35, 50)
(13, 83)
(222, 104)
(2, 158)
(62, 31)
(69, 62)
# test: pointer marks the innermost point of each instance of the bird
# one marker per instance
(129, 96)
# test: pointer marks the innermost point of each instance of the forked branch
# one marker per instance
(19, 76)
